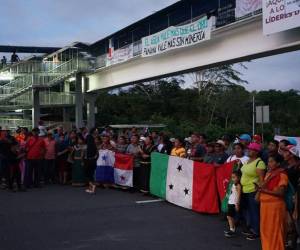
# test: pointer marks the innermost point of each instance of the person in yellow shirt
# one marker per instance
(178, 149)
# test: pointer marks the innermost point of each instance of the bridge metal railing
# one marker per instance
(45, 78)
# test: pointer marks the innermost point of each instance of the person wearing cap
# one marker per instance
(35, 148)
(219, 156)
(291, 156)
(253, 173)
(245, 139)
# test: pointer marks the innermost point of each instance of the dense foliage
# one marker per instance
(213, 108)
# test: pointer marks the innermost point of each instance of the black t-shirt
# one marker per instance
(293, 173)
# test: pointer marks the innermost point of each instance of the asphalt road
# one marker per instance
(66, 218)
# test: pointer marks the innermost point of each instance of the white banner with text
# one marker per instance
(177, 37)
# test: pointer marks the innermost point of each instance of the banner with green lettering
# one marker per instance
(176, 37)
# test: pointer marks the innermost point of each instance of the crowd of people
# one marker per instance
(262, 179)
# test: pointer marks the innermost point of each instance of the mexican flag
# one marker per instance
(186, 183)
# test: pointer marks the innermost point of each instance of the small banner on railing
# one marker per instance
(177, 37)
(246, 7)
(121, 55)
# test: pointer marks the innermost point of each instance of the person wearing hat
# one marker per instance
(245, 139)
(35, 148)
(253, 173)
(219, 156)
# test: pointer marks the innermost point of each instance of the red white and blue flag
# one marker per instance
(114, 168)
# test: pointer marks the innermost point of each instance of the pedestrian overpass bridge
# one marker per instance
(70, 77)
(236, 42)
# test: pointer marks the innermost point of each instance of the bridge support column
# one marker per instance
(78, 102)
(35, 107)
(66, 114)
(91, 109)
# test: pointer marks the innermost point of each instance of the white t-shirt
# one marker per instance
(243, 159)
(233, 197)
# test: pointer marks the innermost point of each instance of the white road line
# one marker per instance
(148, 201)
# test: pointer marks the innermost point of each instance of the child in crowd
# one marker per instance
(233, 203)
(178, 149)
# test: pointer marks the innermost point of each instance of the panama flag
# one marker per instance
(123, 169)
(186, 183)
(105, 172)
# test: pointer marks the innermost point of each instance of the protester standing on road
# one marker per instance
(272, 206)
(291, 157)
(91, 159)
(252, 172)
(134, 150)
(78, 167)
(145, 168)
(50, 156)
(233, 203)
(35, 153)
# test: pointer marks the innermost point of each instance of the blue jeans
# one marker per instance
(251, 207)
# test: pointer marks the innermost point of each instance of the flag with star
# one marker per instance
(123, 170)
(186, 183)
(105, 167)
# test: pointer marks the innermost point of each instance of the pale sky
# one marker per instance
(61, 22)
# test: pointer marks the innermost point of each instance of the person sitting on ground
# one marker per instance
(233, 203)
(238, 154)
(179, 149)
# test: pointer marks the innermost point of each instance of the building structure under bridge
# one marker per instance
(190, 35)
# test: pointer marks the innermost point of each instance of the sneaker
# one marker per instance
(227, 231)
(247, 232)
(252, 237)
(230, 234)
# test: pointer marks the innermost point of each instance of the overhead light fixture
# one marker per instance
(6, 76)
(18, 110)
(72, 79)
